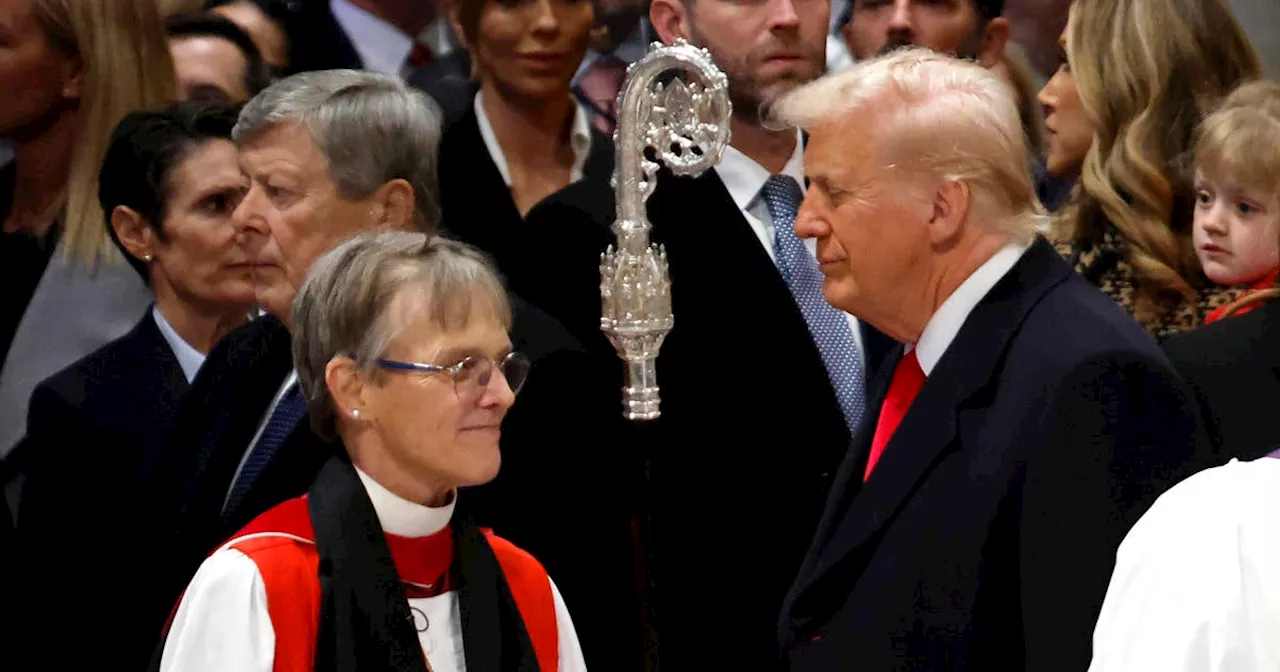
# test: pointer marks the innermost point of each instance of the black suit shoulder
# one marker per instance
(1233, 366)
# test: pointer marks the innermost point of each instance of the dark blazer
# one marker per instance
(447, 79)
(1233, 366)
(986, 536)
(215, 425)
(317, 40)
(478, 208)
(750, 434)
(539, 501)
(96, 431)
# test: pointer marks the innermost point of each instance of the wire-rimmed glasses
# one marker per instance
(472, 375)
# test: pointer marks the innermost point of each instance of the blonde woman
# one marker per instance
(1137, 79)
(71, 71)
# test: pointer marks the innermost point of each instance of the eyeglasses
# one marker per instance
(471, 376)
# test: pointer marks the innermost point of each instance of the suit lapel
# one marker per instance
(157, 389)
(928, 431)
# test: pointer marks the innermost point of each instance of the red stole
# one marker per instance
(274, 541)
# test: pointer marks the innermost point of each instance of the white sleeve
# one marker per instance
(570, 650)
(1174, 600)
(222, 623)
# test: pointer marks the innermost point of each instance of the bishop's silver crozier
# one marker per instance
(661, 122)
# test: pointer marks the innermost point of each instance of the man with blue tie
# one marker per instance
(762, 381)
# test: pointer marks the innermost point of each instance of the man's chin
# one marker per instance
(275, 301)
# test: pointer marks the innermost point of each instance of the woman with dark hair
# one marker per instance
(526, 135)
(95, 432)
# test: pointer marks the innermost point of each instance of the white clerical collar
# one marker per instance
(188, 357)
(744, 178)
(579, 140)
(951, 315)
(401, 517)
(382, 47)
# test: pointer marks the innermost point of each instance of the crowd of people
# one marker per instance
(301, 365)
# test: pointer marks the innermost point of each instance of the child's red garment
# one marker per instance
(1267, 282)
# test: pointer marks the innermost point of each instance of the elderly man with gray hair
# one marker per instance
(327, 155)
(1019, 431)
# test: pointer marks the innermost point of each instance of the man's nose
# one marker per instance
(249, 217)
(809, 223)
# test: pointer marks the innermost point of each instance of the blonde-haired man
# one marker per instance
(1022, 428)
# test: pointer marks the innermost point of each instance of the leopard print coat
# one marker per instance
(1103, 264)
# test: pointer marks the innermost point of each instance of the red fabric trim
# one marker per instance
(531, 589)
(290, 572)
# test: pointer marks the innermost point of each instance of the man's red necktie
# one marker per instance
(908, 378)
(419, 56)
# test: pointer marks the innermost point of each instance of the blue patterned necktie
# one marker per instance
(288, 413)
(828, 326)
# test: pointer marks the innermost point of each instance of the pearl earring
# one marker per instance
(146, 258)
(355, 413)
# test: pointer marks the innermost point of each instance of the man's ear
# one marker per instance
(994, 40)
(346, 385)
(394, 206)
(670, 19)
(135, 235)
(951, 204)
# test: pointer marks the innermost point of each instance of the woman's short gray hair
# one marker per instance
(370, 127)
(358, 297)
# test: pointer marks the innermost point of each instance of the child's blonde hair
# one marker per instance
(1239, 144)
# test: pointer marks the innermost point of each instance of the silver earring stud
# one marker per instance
(146, 258)
(355, 413)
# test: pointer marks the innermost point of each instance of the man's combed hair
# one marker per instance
(358, 297)
(370, 127)
(257, 75)
(934, 115)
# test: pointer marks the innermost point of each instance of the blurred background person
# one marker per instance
(271, 24)
(73, 69)
(970, 29)
(1233, 365)
(168, 186)
(1128, 229)
(394, 37)
(402, 349)
(215, 60)
(526, 136)
(621, 36)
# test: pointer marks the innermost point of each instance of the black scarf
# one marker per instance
(365, 622)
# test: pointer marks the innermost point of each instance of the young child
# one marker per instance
(1237, 184)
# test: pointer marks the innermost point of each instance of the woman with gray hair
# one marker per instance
(401, 347)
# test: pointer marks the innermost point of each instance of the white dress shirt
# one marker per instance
(223, 622)
(579, 141)
(947, 320)
(289, 381)
(1196, 586)
(188, 357)
(382, 47)
(744, 178)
